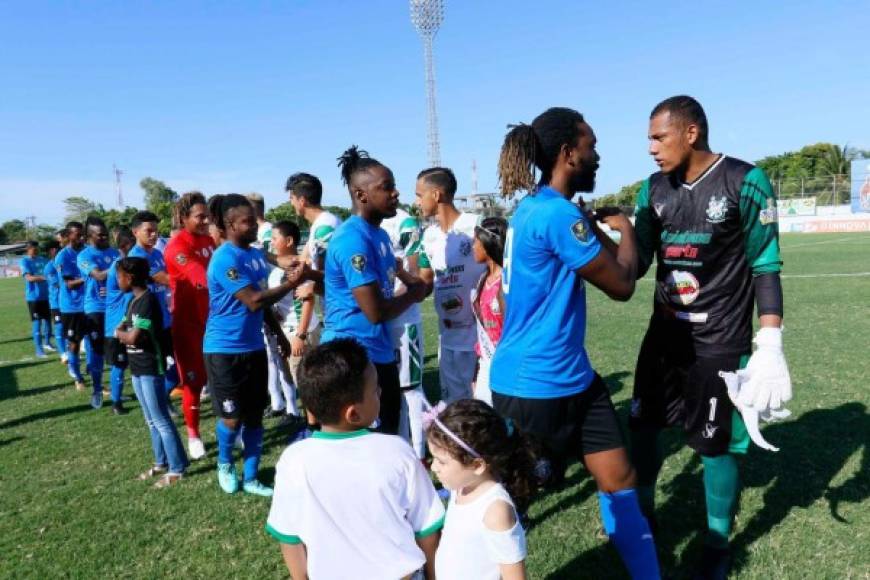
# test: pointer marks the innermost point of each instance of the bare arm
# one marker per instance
(258, 299)
(296, 559)
(73, 282)
(500, 517)
(32, 278)
(378, 309)
(427, 275)
(429, 545)
(160, 277)
(98, 274)
(128, 337)
(615, 275)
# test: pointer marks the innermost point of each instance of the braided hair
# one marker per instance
(353, 161)
(537, 145)
(182, 208)
(220, 206)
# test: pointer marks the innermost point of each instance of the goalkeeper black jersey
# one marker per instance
(709, 238)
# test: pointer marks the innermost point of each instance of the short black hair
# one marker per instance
(288, 229)
(306, 186)
(440, 177)
(32, 244)
(73, 226)
(52, 245)
(94, 220)
(123, 236)
(138, 269)
(331, 378)
(142, 217)
(688, 110)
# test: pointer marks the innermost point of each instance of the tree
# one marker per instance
(77, 209)
(15, 231)
(159, 199)
(285, 212)
(625, 197)
(342, 212)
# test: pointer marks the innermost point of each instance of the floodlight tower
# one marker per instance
(118, 193)
(427, 16)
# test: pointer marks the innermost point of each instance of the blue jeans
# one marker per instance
(165, 441)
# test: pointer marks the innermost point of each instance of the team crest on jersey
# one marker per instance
(658, 208)
(233, 274)
(580, 231)
(465, 247)
(181, 259)
(358, 262)
(228, 406)
(716, 209)
(769, 215)
(682, 287)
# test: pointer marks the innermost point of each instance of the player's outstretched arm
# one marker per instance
(378, 309)
(615, 275)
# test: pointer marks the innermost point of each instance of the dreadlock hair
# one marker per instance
(353, 161)
(492, 232)
(537, 145)
(138, 269)
(219, 207)
(182, 207)
(688, 111)
(507, 452)
(306, 186)
(442, 178)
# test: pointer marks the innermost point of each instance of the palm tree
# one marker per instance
(835, 162)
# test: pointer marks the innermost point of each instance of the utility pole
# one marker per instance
(118, 193)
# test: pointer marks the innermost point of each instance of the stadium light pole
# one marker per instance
(427, 16)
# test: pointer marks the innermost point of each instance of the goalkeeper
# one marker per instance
(711, 222)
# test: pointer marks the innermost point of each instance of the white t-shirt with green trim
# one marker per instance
(319, 235)
(405, 236)
(288, 310)
(357, 501)
(456, 274)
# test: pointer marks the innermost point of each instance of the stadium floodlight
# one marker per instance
(427, 16)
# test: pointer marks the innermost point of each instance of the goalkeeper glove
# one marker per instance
(768, 384)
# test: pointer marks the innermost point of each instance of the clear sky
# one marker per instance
(235, 96)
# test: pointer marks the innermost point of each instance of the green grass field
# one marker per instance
(70, 506)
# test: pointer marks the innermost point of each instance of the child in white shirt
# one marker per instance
(488, 467)
(350, 503)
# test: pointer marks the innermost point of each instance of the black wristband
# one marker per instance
(768, 294)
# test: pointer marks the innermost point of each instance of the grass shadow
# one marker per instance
(9, 382)
(5, 442)
(51, 414)
(14, 340)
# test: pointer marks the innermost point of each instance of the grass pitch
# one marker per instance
(70, 506)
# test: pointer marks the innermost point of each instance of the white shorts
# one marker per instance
(408, 343)
(456, 373)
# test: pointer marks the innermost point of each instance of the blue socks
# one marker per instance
(253, 438)
(116, 379)
(170, 379)
(73, 365)
(226, 438)
(46, 333)
(96, 370)
(629, 532)
(58, 337)
(37, 336)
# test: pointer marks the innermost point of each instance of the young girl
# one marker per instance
(141, 331)
(488, 300)
(488, 467)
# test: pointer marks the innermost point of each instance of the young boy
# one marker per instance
(298, 320)
(347, 499)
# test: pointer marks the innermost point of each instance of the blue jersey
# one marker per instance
(52, 278)
(34, 291)
(116, 300)
(71, 299)
(358, 254)
(95, 290)
(231, 327)
(542, 354)
(155, 264)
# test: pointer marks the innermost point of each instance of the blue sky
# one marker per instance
(235, 96)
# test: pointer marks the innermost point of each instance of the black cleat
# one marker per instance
(715, 564)
(118, 409)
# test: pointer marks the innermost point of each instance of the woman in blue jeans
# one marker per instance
(141, 332)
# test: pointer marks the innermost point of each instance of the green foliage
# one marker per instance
(160, 199)
(14, 231)
(115, 218)
(342, 212)
(625, 197)
(78, 208)
(285, 212)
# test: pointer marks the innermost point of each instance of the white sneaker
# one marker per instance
(195, 448)
(64, 358)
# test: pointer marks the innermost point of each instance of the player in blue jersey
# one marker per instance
(36, 295)
(52, 279)
(117, 302)
(541, 375)
(94, 262)
(360, 274)
(72, 299)
(235, 355)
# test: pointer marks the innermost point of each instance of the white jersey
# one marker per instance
(357, 501)
(468, 549)
(319, 235)
(404, 232)
(288, 310)
(264, 236)
(456, 274)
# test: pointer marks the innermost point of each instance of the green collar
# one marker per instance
(339, 435)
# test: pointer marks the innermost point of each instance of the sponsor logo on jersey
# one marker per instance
(358, 262)
(228, 406)
(687, 251)
(658, 208)
(580, 231)
(233, 274)
(768, 216)
(465, 247)
(181, 259)
(709, 431)
(451, 304)
(682, 287)
(717, 209)
(686, 237)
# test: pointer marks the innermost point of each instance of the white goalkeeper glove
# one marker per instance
(736, 383)
(768, 384)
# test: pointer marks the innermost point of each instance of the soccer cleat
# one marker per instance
(40, 354)
(48, 348)
(715, 564)
(273, 413)
(118, 409)
(97, 400)
(254, 487)
(227, 478)
(64, 358)
(195, 448)
(80, 386)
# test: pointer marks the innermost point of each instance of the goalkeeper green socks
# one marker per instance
(721, 487)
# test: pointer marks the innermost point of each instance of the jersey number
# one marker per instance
(712, 408)
(506, 268)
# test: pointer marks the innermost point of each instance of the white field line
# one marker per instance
(835, 275)
(837, 241)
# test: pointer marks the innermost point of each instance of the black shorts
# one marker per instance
(96, 329)
(55, 316)
(391, 398)
(238, 384)
(116, 352)
(684, 389)
(39, 310)
(566, 427)
(75, 326)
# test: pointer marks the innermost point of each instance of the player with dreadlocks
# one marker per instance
(235, 355)
(711, 223)
(360, 273)
(187, 255)
(541, 376)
